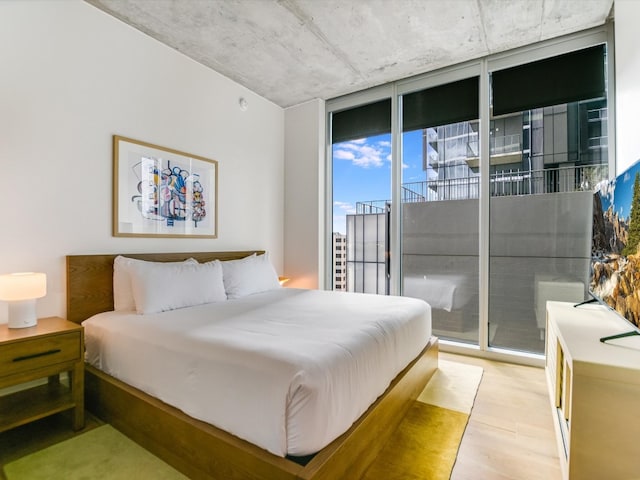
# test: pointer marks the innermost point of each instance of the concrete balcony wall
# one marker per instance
(554, 225)
(534, 238)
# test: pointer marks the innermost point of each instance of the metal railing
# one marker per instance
(372, 206)
(408, 196)
(508, 182)
(503, 183)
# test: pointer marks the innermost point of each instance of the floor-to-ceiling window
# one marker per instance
(361, 185)
(440, 191)
(548, 149)
(492, 198)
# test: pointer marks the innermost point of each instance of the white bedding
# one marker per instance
(288, 370)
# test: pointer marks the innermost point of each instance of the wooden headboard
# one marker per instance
(90, 278)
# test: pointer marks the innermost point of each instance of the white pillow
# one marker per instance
(252, 274)
(122, 292)
(158, 287)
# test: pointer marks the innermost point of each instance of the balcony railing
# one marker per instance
(372, 206)
(503, 183)
(511, 182)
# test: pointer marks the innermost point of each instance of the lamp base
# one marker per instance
(22, 314)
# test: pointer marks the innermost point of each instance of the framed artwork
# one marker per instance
(160, 192)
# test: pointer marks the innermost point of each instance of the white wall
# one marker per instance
(627, 18)
(304, 187)
(71, 77)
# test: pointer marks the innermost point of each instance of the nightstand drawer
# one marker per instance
(22, 356)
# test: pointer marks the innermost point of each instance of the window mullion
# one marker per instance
(396, 207)
(485, 196)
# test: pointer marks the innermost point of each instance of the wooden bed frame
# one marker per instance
(202, 451)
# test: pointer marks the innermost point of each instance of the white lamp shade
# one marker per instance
(22, 286)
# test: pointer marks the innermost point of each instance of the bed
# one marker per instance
(189, 442)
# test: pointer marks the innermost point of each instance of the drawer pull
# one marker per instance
(36, 355)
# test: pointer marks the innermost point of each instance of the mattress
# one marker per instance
(288, 370)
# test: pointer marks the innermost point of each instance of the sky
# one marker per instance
(362, 171)
(622, 194)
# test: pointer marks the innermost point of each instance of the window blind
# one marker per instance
(566, 78)
(450, 103)
(361, 122)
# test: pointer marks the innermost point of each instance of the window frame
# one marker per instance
(482, 67)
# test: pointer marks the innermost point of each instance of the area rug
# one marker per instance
(425, 445)
(99, 454)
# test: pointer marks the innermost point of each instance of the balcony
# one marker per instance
(539, 226)
(505, 183)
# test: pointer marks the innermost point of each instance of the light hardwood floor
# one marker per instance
(510, 434)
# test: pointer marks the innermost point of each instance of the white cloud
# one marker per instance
(346, 207)
(363, 154)
(343, 155)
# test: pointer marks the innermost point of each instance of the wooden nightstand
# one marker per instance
(50, 348)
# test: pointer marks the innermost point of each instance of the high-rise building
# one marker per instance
(339, 261)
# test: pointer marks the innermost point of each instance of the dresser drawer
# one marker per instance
(25, 355)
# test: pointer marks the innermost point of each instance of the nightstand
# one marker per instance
(44, 351)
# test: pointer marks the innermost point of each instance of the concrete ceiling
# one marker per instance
(292, 51)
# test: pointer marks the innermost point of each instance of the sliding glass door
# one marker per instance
(440, 191)
(491, 166)
(549, 149)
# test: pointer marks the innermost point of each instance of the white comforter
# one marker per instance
(288, 370)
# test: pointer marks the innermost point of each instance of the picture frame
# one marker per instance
(162, 192)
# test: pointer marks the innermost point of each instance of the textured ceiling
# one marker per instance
(291, 51)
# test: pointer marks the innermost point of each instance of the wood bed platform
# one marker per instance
(202, 451)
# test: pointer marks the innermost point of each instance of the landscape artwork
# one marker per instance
(615, 262)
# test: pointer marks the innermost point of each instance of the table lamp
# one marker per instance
(20, 290)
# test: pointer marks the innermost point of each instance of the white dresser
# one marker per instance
(595, 392)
